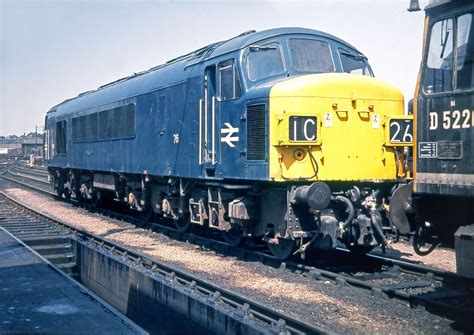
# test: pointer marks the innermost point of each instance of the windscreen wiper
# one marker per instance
(355, 56)
(444, 44)
(261, 48)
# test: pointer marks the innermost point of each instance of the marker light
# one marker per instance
(299, 154)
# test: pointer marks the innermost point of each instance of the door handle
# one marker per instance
(213, 130)
(200, 131)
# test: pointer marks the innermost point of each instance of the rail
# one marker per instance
(435, 289)
(242, 304)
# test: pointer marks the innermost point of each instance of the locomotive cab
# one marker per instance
(444, 114)
(304, 114)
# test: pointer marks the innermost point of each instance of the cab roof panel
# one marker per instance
(173, 71)
(249, 38)
(441, 4)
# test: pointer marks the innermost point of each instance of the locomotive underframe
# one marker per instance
(446, 214)
(283, 216)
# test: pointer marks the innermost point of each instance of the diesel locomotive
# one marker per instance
(282, 135)
(443, 105)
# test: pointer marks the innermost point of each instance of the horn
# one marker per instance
(414, 6)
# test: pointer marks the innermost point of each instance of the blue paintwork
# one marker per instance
(181, 81)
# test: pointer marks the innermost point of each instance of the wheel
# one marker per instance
(78, 192)
(182, 224)
(63, 193)
(96, 200)
(234, 236)
(59, 192)
(75, 189)
(67, 193)
(147, 214)
(425, 239)
(78, 196)
(283, 249)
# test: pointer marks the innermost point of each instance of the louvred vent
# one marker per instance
(256, 132)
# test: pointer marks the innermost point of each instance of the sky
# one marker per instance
(51, 50)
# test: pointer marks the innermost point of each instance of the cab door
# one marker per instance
(209, 124)
(435, 95)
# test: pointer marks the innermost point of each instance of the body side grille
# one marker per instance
(256, 132)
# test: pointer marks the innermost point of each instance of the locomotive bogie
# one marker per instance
(309, 216)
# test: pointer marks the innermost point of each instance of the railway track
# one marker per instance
(43, 174)
(49, 240)
(30, 226)
(29, 182)
(12, 173)
(440, 292)
(39, 180)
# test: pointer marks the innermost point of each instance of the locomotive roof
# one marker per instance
(248, 38)
(436, 4)
(169, 72)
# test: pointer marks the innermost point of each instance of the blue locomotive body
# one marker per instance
(164, 107)
(196, 140)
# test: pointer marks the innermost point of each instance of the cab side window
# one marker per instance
(264, 61)
(439, 68)
(354, 63)
(61, 137)
(465, 52)
(229, 81)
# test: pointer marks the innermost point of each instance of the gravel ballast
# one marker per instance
(338, 309)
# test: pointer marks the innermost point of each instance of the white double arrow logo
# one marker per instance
(229, 137)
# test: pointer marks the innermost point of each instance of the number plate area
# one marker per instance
(450, 150)
(428, 150)
(441, 150)
(303, 129)
(399, 131)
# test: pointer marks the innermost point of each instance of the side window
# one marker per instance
(123, 121)
(465, 52)
(91, 127)
(264, 62)
(77, 129)
(105, 125)
(61, 137)
(439, 66)
(354, 63)
(229, 80)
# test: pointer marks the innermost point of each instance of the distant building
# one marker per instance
(32, 146)
(7, 141)
(10, 150)
(21, 146)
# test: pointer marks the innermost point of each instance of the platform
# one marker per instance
(35, 297)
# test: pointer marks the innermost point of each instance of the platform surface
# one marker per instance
(34, 297)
